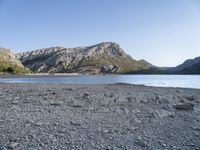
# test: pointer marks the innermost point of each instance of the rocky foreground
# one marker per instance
(105, 117)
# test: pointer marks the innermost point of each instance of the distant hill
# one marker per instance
(105, 57)
(190, 66)
(8, 62)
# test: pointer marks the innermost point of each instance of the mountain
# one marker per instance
(7, 56)
(105, 57)
(190, 66)
(144, 62)
(9, 63)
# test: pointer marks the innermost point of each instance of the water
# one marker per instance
(186, 81)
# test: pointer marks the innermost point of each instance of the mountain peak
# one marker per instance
(100, 58)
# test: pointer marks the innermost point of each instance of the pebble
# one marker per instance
(15, 102)
(126, 125)
(56, 103)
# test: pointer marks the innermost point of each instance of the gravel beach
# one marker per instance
(98, 117)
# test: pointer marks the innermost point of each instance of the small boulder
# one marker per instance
(13, 145)
(190, 98)
(184, 106)
(140, 142)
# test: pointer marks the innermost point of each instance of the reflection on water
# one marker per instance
(187, 81)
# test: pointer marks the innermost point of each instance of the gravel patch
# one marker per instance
(98, 117)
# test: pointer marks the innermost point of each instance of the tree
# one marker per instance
(10, 70)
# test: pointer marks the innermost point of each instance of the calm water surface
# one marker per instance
(186, 81)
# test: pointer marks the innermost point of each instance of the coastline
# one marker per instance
(118, 116)
(177, 81)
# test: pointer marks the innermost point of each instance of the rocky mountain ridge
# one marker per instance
(106, 57)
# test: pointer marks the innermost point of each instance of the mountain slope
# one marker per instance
(8, 62)
(7, 56)
(190, 66)
(144, 62)
(105, 57)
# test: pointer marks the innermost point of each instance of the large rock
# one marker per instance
(105, 57)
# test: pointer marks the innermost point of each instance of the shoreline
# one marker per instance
(118, 116)
(90, 85)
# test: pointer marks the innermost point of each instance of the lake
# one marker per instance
(186, 81)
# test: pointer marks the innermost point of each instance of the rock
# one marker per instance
(136, 111)
(105, 131)
(13, 145)
(75, 123)
(180, 91)
(38, 124)
(15, 102)
(85, 95)
(76, 104)
(137, 120)
(164, 113)
(190, 98)
(56, 103)
(140, 142)
(53, 93)
(184, 106)
(130, 99)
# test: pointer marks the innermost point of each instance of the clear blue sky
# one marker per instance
(164, 32)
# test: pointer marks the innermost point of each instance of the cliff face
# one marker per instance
(105, 57)
(7, 56)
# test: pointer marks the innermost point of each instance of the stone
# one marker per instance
(184, 106)
(85, 95)
(140, 142)
(56, 103)
(76, 104)
(13, 145)
(190, 98)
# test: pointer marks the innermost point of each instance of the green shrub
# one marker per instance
(14, 69)
(10, 70)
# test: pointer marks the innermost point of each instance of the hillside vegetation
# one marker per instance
(6, 67)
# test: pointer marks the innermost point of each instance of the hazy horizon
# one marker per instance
(165, 33)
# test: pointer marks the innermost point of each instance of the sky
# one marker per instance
(163, 32)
